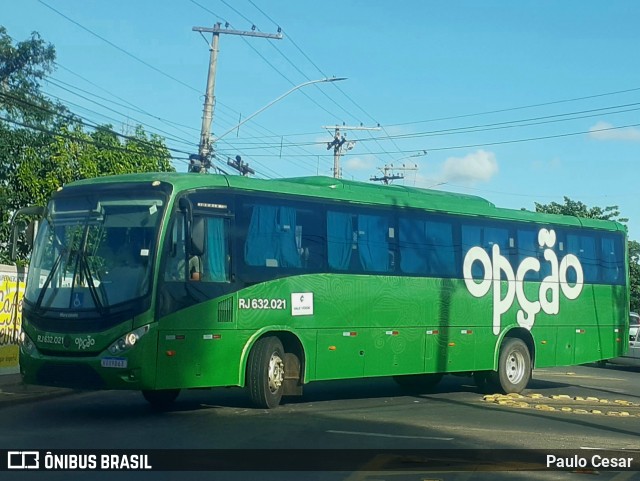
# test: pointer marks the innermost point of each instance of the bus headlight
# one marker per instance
(129, 340)
(26, 343)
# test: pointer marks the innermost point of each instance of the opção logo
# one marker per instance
(549, 293)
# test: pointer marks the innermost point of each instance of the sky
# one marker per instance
(517, 102)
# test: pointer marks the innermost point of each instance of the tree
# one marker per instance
(43, 146)
(22, 67)
(578, 209)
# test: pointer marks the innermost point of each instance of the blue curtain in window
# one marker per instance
(413, 250)
(262, 241)
(216, 262)
(272, 237)
(288, 255)
(339, 240)
(373, 245)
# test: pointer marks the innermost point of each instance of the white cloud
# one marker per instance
(479, 166)
(600, 132)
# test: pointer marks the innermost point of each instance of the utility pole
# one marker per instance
(389, 176)
(202, 161)
(240, 166)
(340, 144)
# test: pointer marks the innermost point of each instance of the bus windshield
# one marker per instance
(93, 252)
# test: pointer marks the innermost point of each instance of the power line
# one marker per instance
(177, 139)
(127, 103)
(126, 52)
(506, 125)
(77, 118)
(290, 38)
(543, 104)
(87, 141)
(259, 54)
(530, 139)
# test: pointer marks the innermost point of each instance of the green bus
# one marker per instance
(161, 282)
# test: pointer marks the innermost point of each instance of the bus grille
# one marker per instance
(225, 310)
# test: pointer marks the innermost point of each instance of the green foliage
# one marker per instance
(22, 67)
(42, 147)
(578, 209)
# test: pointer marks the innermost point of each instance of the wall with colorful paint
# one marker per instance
(12, 282)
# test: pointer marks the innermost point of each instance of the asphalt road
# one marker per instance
(579, 408)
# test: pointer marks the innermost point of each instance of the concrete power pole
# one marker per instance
(202, 161)
(340, 144)
(388, 174)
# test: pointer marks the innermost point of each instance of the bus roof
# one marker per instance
(357, 193)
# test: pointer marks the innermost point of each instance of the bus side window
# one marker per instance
(472, 237)
(413, 250)
(584, 248)
(527, 247)
(373, 242)
(175, 266)
(485, 237)
(210, 259)
(271, 237)
(360, 242)
(441, 250)
(340, 240)
(612, 259)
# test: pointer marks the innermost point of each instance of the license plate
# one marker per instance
(117, 362)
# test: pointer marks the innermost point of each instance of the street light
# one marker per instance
(330, 79)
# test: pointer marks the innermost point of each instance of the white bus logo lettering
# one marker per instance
(549, 293)
(85, 343)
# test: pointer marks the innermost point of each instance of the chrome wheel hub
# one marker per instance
(276, 373)
(515, 367)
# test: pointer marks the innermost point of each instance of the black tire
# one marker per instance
(418, 382)
(161, 399)
(514, 367)
(265, 373)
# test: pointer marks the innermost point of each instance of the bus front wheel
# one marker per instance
(265, 373)
(514, 366)
(161, 399)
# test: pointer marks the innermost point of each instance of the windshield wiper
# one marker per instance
(84, 262)
(49, 278)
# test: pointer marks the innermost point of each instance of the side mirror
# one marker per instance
(197, 236)
(19, 226)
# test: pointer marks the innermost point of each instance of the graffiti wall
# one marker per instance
(11, 291)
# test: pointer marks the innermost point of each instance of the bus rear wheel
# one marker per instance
(265, 373)
(514, 367)
(161, 399)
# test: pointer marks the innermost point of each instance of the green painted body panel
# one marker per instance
(362, 325)
(382, 325)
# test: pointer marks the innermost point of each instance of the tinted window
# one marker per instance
(426, 247)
